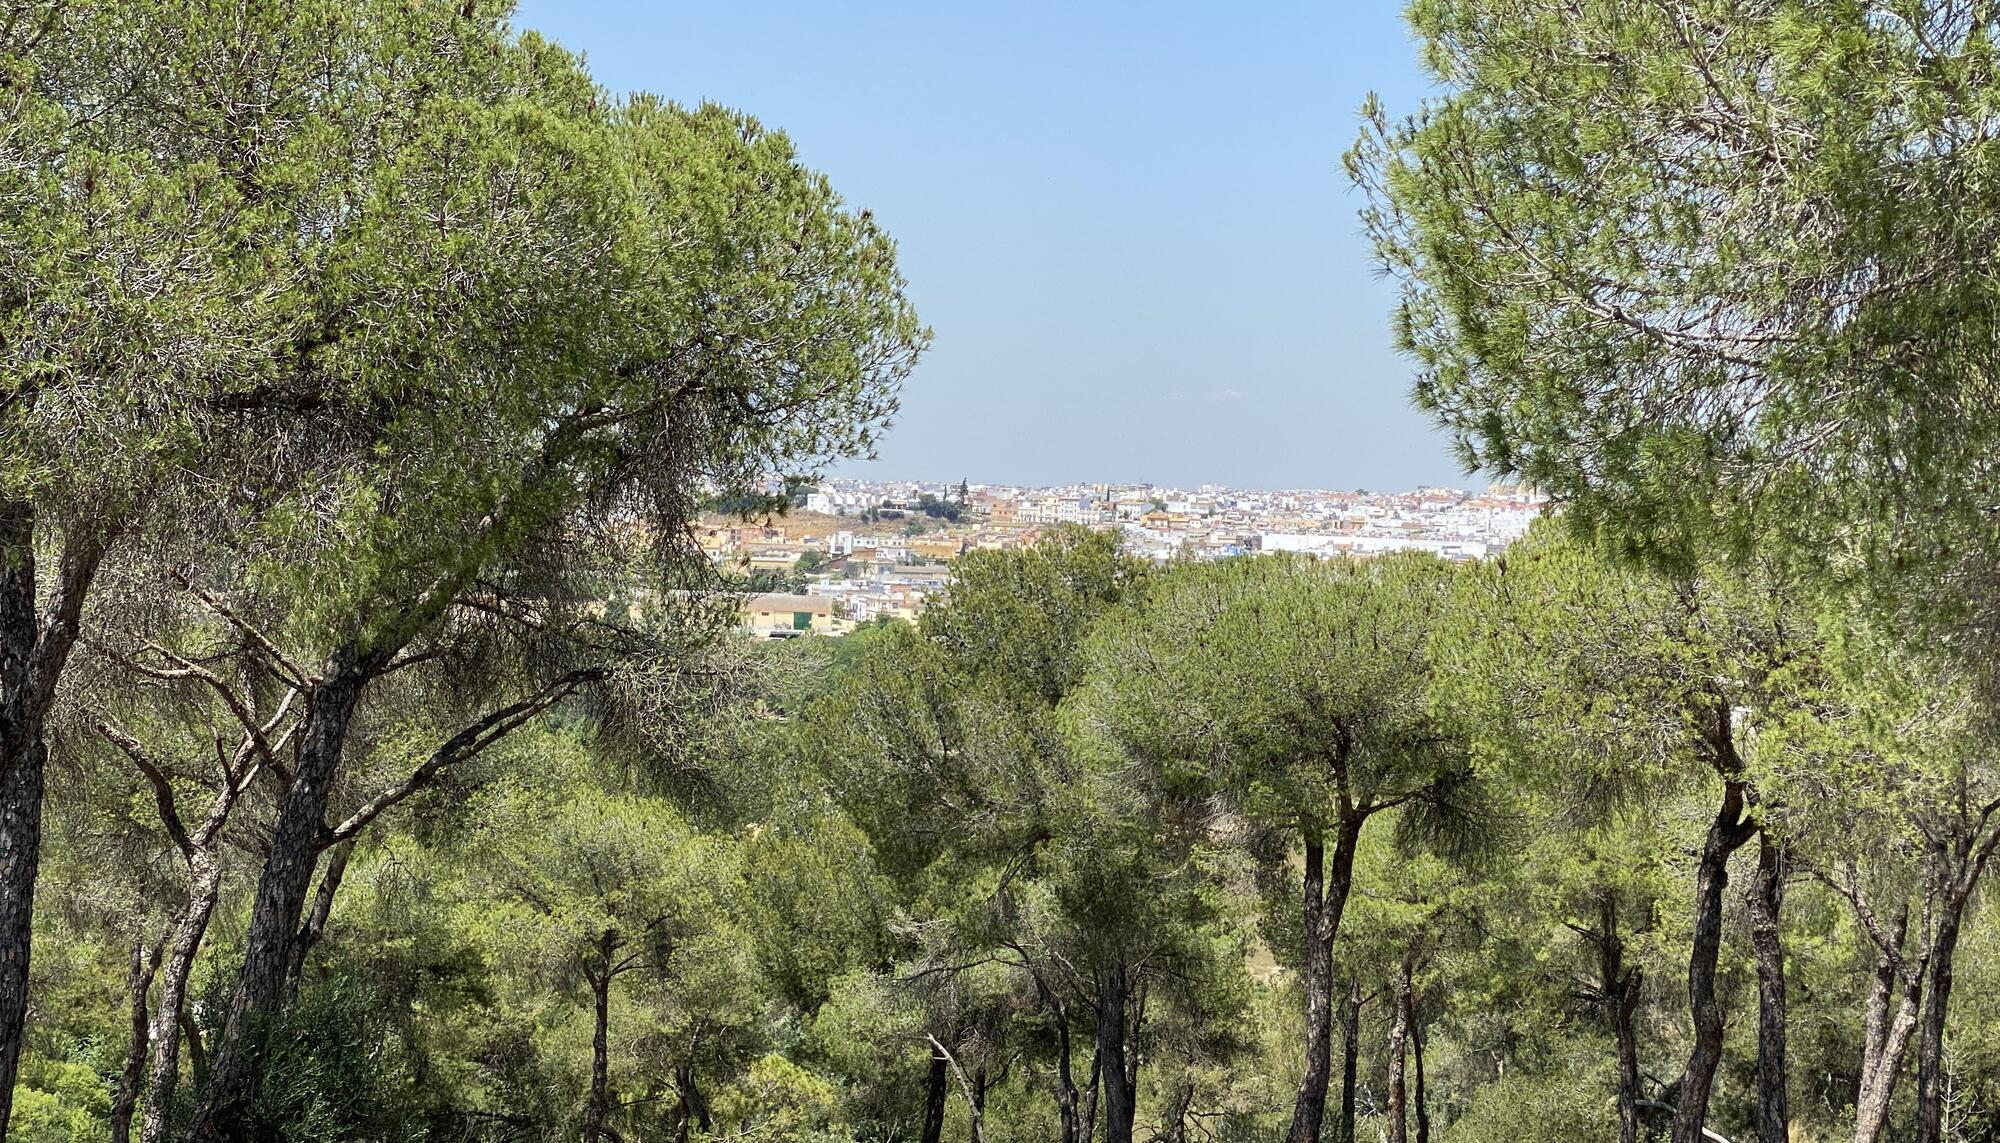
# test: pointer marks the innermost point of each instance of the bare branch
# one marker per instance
(290, 671)
(163, 791)
(463, 745)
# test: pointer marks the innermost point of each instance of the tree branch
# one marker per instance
(163, 791)
(291, 672)
(972, 1105)
(465, 744)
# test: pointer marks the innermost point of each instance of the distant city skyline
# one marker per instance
(1462, 483)
(1126, 222)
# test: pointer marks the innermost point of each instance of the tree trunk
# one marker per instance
(975, 1096)
(1930, 1044)
(934, 1094)
(1886, 1039)
(1878, 1083)
(702, 1118)
(1134, 1039)
(20, 853)
(1310, 1109)
(1066, 1094)
(1766, 900)
(322, 909)
(1973, 849)
(1112, 989)
(1726, 834)
(598, 1108)
(1628, 1057)
(138, 981)
(1325, 898)
(1619, 987)
(1350, 1050)
(22, 754)
(34, 647)
(1096, 1087)
(191, 1036)
(1417, 1101)
(1174, 1122)
(694, 1105)
(163, 1069)
(281, 893)
(1399, 1031)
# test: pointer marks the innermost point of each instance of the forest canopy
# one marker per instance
(379, 759)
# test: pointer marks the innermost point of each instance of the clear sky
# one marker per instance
(1126, 222)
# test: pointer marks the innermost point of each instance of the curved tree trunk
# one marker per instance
(1726, 834)
(163, 1068)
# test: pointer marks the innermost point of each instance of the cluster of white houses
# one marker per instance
(861, 550)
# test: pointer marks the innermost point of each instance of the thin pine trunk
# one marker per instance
(1766, 900)
(1619, 987)
(1324, 894)
(598, 1107)
(138, 981)
(1886, 1038)
(322, 910)
(21, 766)
(163, 1069)
(1066, 1093)
(934, 1093)
(1096, 1087)
(1726, 834)
(1930, 1043)
(34, 648)
(694, 1105)
(1112, 994)
(1350, 1051)
(1399, 1033)
(1418, 1102)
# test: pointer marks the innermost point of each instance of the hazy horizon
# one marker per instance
(1463, 483)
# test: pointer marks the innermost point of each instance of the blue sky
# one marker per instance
(1127, 223)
